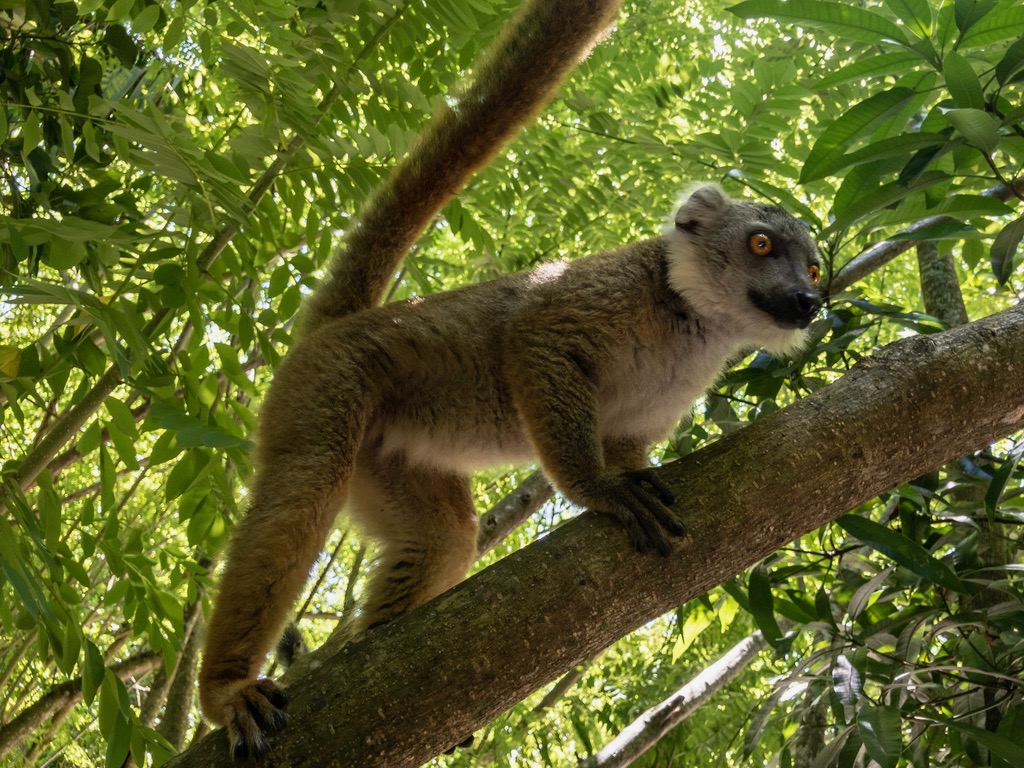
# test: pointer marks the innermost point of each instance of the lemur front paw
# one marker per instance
(643, 513)
(252, 713)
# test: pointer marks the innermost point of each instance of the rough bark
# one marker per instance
(940, 286)
(180, 702)
(644, 732)
(413, 688)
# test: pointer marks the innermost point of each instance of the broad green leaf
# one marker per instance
(72, 647)
(895, 147)
(907, 553)
(144, 21)
(995, 27)
(943, 230)
(916, 14)
(968, 12)
(92, 669)
(880, 730)
(1011, 63)
(866, 591)
(999, 480)
(962, 207)
(850, 126)
(979, 128)
(883, 65)
(963, 82)
(828, 756)
(839, 19)
(762, 604)
(1000, 746)
(848, 679)
(1004, 249)
(119, 735)
(10, 360)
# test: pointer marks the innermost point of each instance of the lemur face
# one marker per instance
(751, 266)
(783, 268)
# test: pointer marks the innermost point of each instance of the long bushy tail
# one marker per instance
(517, 76)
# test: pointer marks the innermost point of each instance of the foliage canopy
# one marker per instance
(175, 175)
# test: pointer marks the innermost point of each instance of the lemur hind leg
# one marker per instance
(304, 460)
(427, 526)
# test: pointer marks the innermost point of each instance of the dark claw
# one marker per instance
(257, 711)
(255, 749)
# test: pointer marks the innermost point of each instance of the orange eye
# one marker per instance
(814, 272)
(761, 244)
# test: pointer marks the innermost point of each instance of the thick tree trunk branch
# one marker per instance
(415, 687)
(644, 732)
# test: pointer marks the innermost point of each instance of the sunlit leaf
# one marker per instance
(907, 553)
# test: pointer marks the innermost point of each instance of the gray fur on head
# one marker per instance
(711, 265)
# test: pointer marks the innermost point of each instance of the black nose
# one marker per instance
(806, 305)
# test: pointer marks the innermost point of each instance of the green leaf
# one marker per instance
(169, 274)
(968, 12)
(999, 480)
(883, 65)
(1004, 249)
(118, 39)
(848, 678)
(880, 729)
(830, 754)
(851, 125)
(1011, 63)
(1000, 746)
(962, 81)
(842, 20)
(995, 27)
(916, 14)
(907, 553)
(146, 19)
(895, 147)
(979, 128)
(92, 670)
(943, 230)
(762, 604)
(72, 647)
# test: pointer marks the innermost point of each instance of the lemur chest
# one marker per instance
(652, 387)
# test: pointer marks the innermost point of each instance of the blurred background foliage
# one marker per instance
(173, 176)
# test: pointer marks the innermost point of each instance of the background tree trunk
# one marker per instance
(413, 688)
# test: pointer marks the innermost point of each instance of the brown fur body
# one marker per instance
(581, 365)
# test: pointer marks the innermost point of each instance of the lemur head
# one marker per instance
(747, 266)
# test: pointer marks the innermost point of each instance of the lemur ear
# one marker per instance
(702, 207)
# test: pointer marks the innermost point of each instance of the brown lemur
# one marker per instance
(278, 541)
(582, 365)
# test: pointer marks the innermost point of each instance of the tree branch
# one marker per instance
(60, 696)
(878, 255)
(644, 732)
(413, 688)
